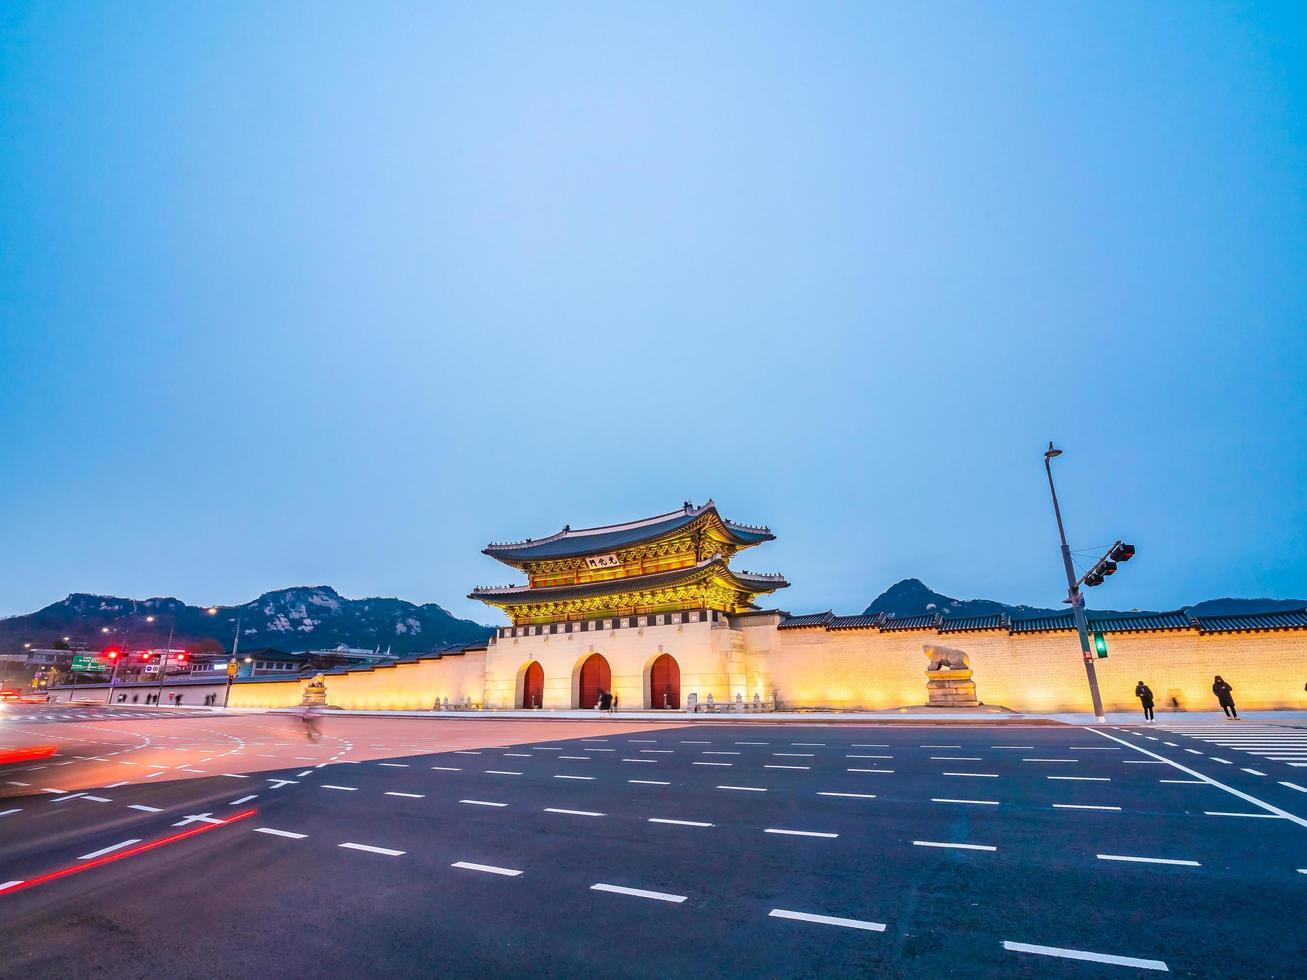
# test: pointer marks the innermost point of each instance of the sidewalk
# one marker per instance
(913, 717)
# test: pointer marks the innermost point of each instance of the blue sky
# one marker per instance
(306, 293)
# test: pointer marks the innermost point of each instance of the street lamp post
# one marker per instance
(1074, 595)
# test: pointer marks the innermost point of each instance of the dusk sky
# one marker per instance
(326, 293)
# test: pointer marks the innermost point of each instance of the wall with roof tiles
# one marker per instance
(404, 687)
(1028, 672)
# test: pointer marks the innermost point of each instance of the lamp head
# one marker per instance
(1050, 452)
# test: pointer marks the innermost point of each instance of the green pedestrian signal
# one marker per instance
(1100, 645)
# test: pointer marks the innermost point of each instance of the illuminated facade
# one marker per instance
(653, 612)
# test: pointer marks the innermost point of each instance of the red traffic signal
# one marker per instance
(113, 653)
(146, 656)
(1122, 552)
(181, 658)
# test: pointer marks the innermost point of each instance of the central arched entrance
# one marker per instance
(533, 686)
(595, 675)
(665, 683)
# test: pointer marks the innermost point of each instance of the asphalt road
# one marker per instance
(571, 849)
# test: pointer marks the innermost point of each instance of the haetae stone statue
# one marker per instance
(948, 678)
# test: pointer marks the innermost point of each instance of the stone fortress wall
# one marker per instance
(835, 669)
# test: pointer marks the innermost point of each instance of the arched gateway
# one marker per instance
(595, 676)
(533, 686)
(665, 683)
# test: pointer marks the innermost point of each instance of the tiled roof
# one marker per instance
(1283, 619)
(568, 543)
(966, 624)
(1044, 624)
(1140, 622)
(897, 624)
(854, 622)
(524, 593)
(809, 620)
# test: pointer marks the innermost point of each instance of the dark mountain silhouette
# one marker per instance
(912, 597)
(305, 618)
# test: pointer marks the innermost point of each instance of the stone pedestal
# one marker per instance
(951, 689)
(315, 692)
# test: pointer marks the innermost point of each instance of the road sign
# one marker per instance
(88, 664)
(232, 668)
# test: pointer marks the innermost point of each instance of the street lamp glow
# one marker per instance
(104, 629)
(149, 619)
(213, 610)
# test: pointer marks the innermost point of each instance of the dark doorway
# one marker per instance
(533, 686)
(595, 675)
(665, 683)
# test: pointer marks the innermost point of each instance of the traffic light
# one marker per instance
(181, 658)
(1100, 645)
(146, 656)
(113, 653)
(1121, 551)
(1107, 565)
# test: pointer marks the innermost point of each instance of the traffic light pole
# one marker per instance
(1077, 600)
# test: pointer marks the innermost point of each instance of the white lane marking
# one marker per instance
(827, 920)
(487, 868)
(639, 760)
(638, 893)
(799, 833)
(1082, 806)
(349, 789)
(871, 770)
(797, 755)
(501, 772)
(233, 775)
(643, 741)
(10, 884)
(785, 767)
(1253, 772)
(574, 813)
(404, 765)
(1011, 746)
(707, 752)
(984, 775)
(110, 849)
(279, 833)
(1184, 782)
(1143, 762)
(575, 758)
(964, 847)
(70, 796)
(955, 758)
(1094, 748)
(409, 796)
(856, 796)
(746, 789)
(1083, 779)
(976, 802)
(243, 799)
(507, 755)
(1226, 762)
(870, 745)
(575, 777)
(659, 751)
(1050, 760)
(143, 808)
(371, 849)
(1144, 860)
(1300, 789)
(1080, 954)
(482, 803)
(547, 748)
(811, 745)
(686, 741)
(598, 750)
(649, 782)
(306, 772)
(744, 743)
(679, 823)
(712, 763)
(1259, 816)
(1193, 751)
(96, 799)
(941, 746)
(1207, 779)
(852, 756)
(465, 752)
(6, 813)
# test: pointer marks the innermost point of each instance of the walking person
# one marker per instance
(1145, 695)
(605, 701)
(1224, 695)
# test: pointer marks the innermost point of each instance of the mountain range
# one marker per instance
(320, 618)
(912, 597)
(302, 618)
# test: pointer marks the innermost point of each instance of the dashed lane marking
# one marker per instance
(279, 833)
(143, 808)
(482, 803)
(1050, 760)
(638, 893)
(855, 796)
(501, 772)
(1253, 772)
(827, 920)
(1144, 860)
(1084, 779)
(306, 772)
(410, 796)
(982, 775)
(447, 768)
(576, 758)
(1185, 782)
(574, 813)
(1259, 816)
(1082, 806)
(639, 760)
(941, 746)
(372, 849)
(851, 756)
(575, 777)
(796, 755)
(769, 766)
(973, 802)
(6, 813)
(881, 770)
(110, 849)
(244, 799)
(1300, 789)
(348, 789)
(712, 763)
(648, 782)
(955, 758)
(487, 868)
(799, 833)
(10, 884)
(1080, 954)
(404, 765)
(743, 789)
(679, 823)
(963, 847)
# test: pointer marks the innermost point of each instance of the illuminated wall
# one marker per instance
(402, 687)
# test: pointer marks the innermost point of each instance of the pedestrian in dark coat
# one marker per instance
(605, 701)
(1224, 696)
(1145, 695)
